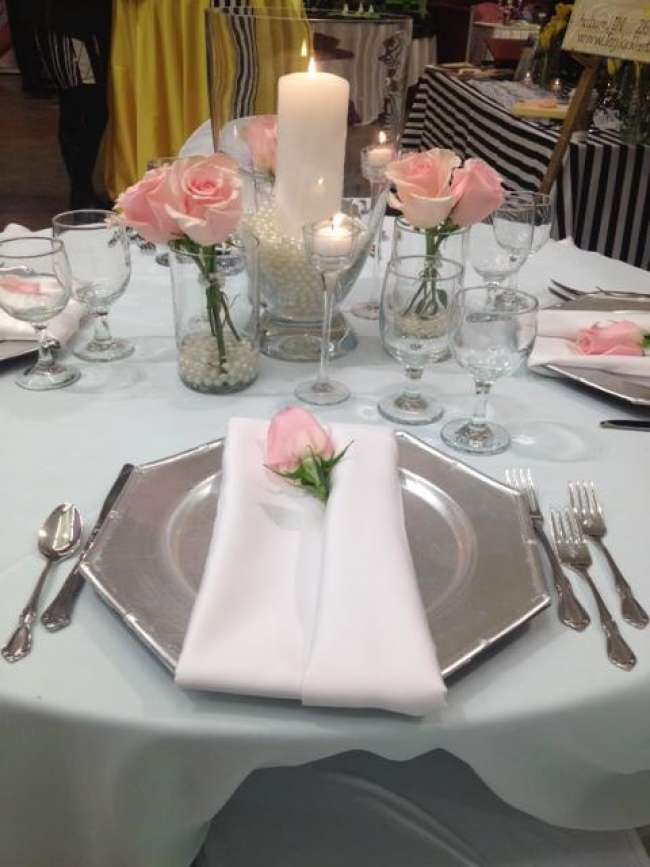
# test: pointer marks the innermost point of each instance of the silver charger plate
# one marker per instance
(631, 389)
(474, 549)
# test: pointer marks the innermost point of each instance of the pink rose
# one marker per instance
(294, 434)
(11, 283)
(615, 338)
(423, 183)
(477, 191)
(202, 196)
(261, 136)
(142, 207)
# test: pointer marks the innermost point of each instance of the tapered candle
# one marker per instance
(312, 131)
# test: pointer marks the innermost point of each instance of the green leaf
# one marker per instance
(646, 341)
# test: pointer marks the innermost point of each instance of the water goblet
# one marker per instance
(374, 160)
(542, 214)
(490, 334)
(331, 247)
(98, 250)
(35, 285)
(413, 323)
(498, 246)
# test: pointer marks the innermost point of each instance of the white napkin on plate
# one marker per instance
(308, 602)
(62, 326)
(557, 331)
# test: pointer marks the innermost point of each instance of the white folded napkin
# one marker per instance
(62, 326)
(314, 603)
(557, 331)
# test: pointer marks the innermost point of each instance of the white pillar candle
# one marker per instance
(333, 241)
(312, 130)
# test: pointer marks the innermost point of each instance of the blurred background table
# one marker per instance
(602, 196)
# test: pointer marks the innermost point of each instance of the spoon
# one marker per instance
(57, 538)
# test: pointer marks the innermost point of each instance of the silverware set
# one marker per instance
(569, 293)
(582, 522)
(59, 537)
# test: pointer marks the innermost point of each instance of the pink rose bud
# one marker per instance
(142, 207)
(423, 183)
(261, 136)
(615, 338)
(294, 434)
(477, 190)
(11, 283)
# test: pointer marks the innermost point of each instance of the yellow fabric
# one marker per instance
(158, 92)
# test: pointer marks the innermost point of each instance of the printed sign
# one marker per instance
(610, 28)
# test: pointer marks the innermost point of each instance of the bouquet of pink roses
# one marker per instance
(194, 205)
(437, 193)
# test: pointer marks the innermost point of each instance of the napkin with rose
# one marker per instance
(194, 205)
(305, 597)
(617, 341)
(437, 192)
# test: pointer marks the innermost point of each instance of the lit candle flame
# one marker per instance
(311, 66)
(337, 220)
(382, 137)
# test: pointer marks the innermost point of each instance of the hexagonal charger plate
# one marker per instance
(475, 551)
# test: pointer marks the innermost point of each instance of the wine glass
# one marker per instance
(98, 249)
(542, 214)
(413, 322)
(35, 285)
(374, 162)
(490, 334)
(499, 245)
(331, 246)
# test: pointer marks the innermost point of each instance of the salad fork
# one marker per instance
(569, 610)
(589, 515)
(573, 551)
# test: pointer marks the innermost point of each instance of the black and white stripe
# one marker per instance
(602, 196)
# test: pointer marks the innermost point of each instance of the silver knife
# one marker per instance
(59, 613)
(626, 424)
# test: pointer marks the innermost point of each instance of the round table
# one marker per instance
(107, 763)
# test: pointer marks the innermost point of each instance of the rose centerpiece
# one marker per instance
(440, 198)
(195, 206)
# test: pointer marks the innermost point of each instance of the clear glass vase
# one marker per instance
(216, 314)
(411, 241)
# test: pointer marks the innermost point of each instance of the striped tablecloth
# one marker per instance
(602, 196)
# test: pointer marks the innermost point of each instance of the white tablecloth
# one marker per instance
(105, 763)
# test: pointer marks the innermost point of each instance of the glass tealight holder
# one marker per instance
(331, 246)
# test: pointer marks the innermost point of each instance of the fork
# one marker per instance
(589, 514)
(569, 610)
(573, 551)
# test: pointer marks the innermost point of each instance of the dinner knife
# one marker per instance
(59, 613)
(626, 424)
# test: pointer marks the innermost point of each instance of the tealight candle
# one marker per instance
(379, 157)
(333, 241)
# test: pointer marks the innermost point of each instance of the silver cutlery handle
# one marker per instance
(569, 610)
(618, 651)
(20, 642)
(632, 611)
(59, 613)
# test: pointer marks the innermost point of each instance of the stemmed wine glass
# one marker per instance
(374, 161)
(413, 323)
(100, 260)
(490, 334)
(498, 246)
(542, 214)
(331, 247)
(35, 285)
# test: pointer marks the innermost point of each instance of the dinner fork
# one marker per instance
(569, 610)
(589, 515)
(573, 551)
